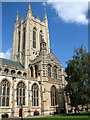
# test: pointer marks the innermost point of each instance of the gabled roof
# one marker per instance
(53, 57)
(11, 63)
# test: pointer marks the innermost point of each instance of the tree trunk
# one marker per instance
(82, 107)
(87, 107)
(75, 110)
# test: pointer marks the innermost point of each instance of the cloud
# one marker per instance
(71, 12)
(44, 3)
(6, 55)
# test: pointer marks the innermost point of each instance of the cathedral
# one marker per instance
(34, 79)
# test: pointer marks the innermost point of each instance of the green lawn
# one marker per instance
(80, 116)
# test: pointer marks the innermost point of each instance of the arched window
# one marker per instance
(19, 41)
(34, 38)
(24, 39)
(53, 96)
(35, 95)
(55, 72)
(31, 71)
(4, 93)
(36, 71)
(21, 94)
(49, 71)
(12, 72)
(25, 74)
(6, 70)
(19, 73)
(41, 36)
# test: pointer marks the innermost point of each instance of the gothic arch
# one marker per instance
(34, 37)
(22, 82)
(41, 31)
(53, 86)
(21, 93)
(55, 66)
(6, 70)
(34, 28)
(13, 71)
(34, 84)
(19, 72)
(53, 92)
(35, 95)
(31, 71)
(7, 80)
(49, 69)
(55, 71)
(4, 92)
(41, 35)
(49, 65)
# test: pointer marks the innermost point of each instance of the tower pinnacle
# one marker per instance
(29, 12)
(29, 7)
(45, 15)
(17, 16)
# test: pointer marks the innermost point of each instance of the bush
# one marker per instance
(55, 113)
(36, 113)
(5, 115)
(62, 111)
(86, 109)
(70, 110)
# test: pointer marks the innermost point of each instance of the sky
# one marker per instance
(67, 22)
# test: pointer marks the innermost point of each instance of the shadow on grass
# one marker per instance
(81, 116)
(58, 119)
(78, 114)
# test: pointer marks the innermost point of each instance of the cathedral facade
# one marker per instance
(34, 78)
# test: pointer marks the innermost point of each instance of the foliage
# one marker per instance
(36, 112)
(78, 71)
(5, 115)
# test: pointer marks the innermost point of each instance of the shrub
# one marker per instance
(62, 111)
(5, 115)
(70, 110)
(36, 113)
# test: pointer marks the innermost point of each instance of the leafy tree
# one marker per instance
(78, 77)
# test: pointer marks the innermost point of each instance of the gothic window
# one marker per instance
(19, 73)
(53, 96)
(6, 70)
(34, 38)
(21, 94)
(24, 39)
(41, 36)
(12, 72)
(35, 95)
(36, 71)
(49, 71)
(19, 41)
(4, 93)
(55, 72)
(31, 71)
(25, 74)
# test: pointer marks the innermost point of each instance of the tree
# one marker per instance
(78, 71)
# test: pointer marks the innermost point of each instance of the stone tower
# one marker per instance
(28, 34)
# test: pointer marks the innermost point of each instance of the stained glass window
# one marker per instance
(4, 93)
(35, 97)
(53, 96)
(21, 94)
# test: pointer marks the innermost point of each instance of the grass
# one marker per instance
(79, 116)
